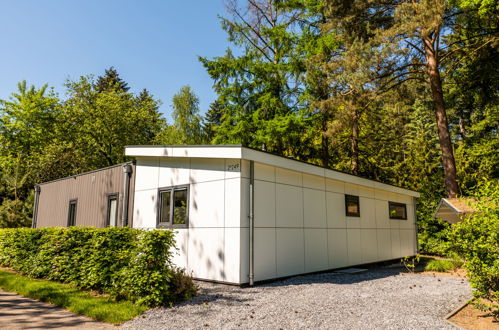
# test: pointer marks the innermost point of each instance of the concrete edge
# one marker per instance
(454, 312)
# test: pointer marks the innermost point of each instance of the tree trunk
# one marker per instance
(354, 166)
(448, 160)
(324, 144)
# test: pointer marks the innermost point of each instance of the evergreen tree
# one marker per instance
(111, 81)
(258, 90)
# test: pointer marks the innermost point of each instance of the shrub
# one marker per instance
(442, 265)
(126, 263)
(476, 239)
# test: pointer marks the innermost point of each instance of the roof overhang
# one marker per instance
(239, 152)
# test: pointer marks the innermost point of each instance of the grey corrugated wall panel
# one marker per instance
(91, 190)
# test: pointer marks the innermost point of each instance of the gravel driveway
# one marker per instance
(381, 298)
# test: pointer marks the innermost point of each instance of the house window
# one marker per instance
(173, 207)
(352, 206)
(397, 211)
(72, 212)
(112, 210)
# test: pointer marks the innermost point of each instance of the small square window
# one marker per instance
(352, 206)
(397, 211)
(173, 207)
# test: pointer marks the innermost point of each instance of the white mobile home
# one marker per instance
(242, 215)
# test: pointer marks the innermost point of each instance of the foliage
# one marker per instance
(443, 265)
(44, 137)
(125, 263)
(187, 127)
(411, 262)
(259, 90)
(476, 239)
(100, 308)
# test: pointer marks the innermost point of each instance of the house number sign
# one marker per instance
(233, 167)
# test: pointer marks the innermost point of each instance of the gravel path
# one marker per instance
(378, 299)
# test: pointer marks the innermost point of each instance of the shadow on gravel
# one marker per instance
(231, 295)
(372, 273)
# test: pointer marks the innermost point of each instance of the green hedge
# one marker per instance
(125, 263)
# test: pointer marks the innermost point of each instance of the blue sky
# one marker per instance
(153, 44)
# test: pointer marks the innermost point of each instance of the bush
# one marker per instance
(476, 239)
(432, 232)
(125, 263)
(443, 265)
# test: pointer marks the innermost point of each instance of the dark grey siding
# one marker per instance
(91, 190)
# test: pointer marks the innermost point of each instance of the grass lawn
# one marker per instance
(100, 308)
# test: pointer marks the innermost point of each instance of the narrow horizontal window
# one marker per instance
(173, 207)
(397, 211)
(352, 206)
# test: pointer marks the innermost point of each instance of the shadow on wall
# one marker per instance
(203, 255)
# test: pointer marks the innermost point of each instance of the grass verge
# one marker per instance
(100, 308)
(442, 265)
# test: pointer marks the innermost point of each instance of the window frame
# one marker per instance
(73, 201)
(108, 214)
(172, 190)
(397, 204)
(349, 198)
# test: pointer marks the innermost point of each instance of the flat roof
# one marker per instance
(240, 152)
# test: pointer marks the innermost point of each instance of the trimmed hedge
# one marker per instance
(125, 263)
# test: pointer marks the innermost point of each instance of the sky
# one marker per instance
(153, 44)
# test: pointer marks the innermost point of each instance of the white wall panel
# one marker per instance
(337, 248)
(316, 250)
(366, 192)
(367, 213)
(395, 238)
(206, 253)
(232, 252)
(244, 208)
(146, 173)
(174, 172)
(335, 204)
(351, 189)
(354, 246)
(205, 169)
(232, 202)
(288, 177)
(354, 222)
(265, 253)
(144, 205)
(289, 206)
(384, 244)
(244, 256)
(382, 220)
(407, 242)
(264, 172)
(314, 182)
(265, 204)
(182, 244)
(207, 204)
(314, 208)
(381, 194)
(335, 186)
(245, 168)
(290, 252)
(369, 244)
